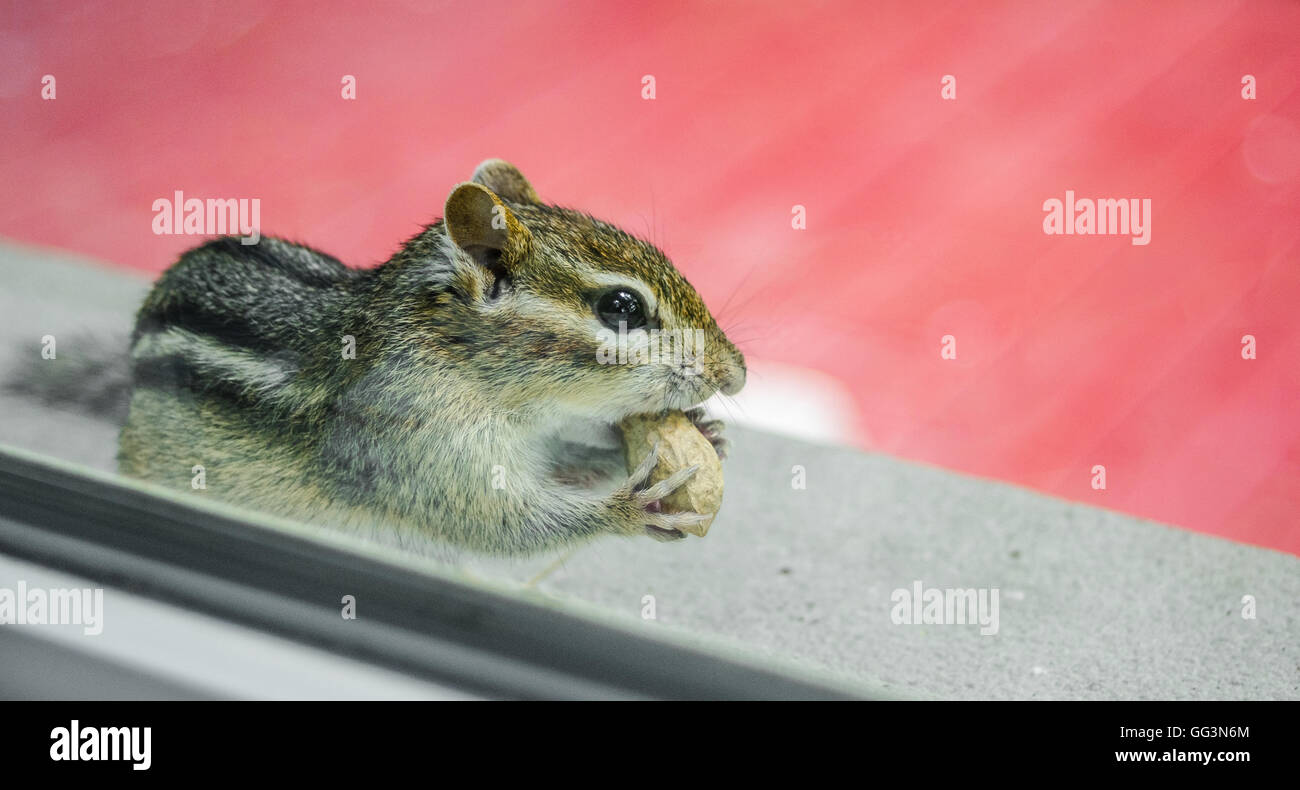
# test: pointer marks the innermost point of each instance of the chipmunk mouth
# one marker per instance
(689, 390)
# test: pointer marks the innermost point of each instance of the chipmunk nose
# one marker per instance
(733, 376)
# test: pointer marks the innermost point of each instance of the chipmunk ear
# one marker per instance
(481, 225)
(505, 180)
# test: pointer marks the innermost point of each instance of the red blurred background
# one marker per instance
(924, 216)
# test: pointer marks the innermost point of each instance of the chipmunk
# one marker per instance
(473, 411)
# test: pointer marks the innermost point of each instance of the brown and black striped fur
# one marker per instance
(475, 372)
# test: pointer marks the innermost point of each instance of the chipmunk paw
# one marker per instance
(712, 430)
(647, 501)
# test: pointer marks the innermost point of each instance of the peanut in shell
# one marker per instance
(680, 445)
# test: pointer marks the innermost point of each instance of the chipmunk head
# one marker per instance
(556, 307)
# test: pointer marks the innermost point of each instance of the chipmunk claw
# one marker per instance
(669, 484)
(712, 430)
(643, 469)
(674, 526)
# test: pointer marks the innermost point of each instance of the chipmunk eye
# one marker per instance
(620, 305)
